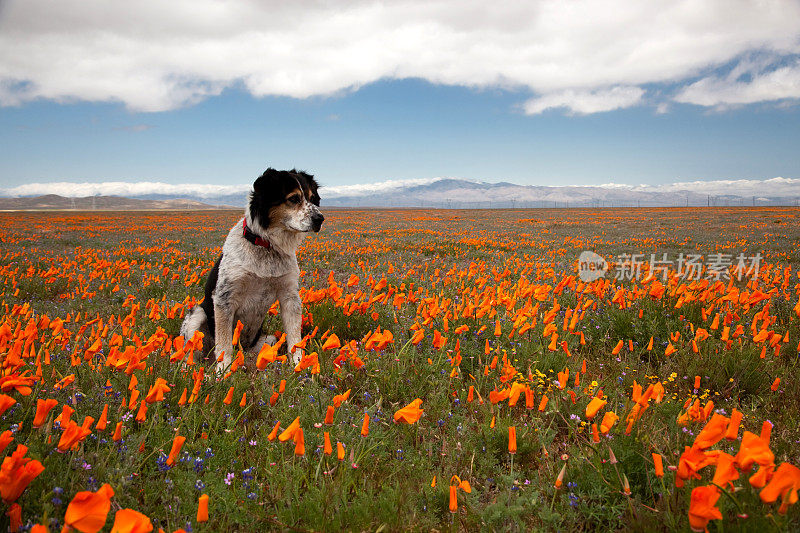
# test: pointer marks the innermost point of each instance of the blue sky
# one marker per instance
(616, 106)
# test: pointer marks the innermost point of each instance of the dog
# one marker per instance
(258, 266)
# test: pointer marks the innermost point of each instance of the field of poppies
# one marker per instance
(461, 372)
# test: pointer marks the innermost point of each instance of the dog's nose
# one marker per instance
(316, 221)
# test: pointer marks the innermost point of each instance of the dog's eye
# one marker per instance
(294, 199)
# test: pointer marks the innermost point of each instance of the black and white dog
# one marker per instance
(258, 265)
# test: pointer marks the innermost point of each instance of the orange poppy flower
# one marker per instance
(453, 503)
(117, 433)
(733, 426)
(87, 512)
(542, 403)
(562, 378)
(72, 436)
(103, 422)
(766, 431)
(16, 473)
(512, 440)
(455, 484)
(327, 448)
(560, 479)
(66, 414)
(274, 433)
(692, 460)
(228, 397)
(659, 465)
(237, 332)
(156, 392)
(438, 340)
(14, 515)
(329, 415)
(5, 439)
(609, 419)
(529, 398)
(339, 398)
(141, 414)
(269, 354)
(594, 406)
(726, 471)
(130, 521)
(365, 425)
(760, 478)
(43, 408)
(410, 413)
(289, 432)
(702, 508)
(785, 483)
(6, 402)
(712, 432)
(332, 342)
(177, 444)
(340, 451)
(595, 433)
(202, 508)
(299, 443)
(753, 450)
(617, 348)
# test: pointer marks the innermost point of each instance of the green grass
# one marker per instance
(385, 479)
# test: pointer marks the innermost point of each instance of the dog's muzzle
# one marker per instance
(316, 221)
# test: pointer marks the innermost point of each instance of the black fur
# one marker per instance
(208, 301)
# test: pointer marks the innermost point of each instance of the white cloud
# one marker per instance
(124, 188)
(364, 189)
(145, 188)
(771, 187)
(586, 102)
(154, 55)
(788, 187)
(762, 86)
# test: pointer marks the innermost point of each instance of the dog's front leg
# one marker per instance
(292, 315)
(223, 324)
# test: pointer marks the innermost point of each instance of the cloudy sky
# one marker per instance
(549, 92)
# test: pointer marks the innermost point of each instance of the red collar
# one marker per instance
(252, 237)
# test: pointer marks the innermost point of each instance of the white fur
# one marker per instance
(255, 277)
(193, 321)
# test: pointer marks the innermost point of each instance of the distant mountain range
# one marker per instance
(462, 194)
(433, 193)
(56, 202)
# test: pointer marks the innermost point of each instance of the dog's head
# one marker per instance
(287, 198)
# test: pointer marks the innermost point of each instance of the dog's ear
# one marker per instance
(267, 182)
(268, 191)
